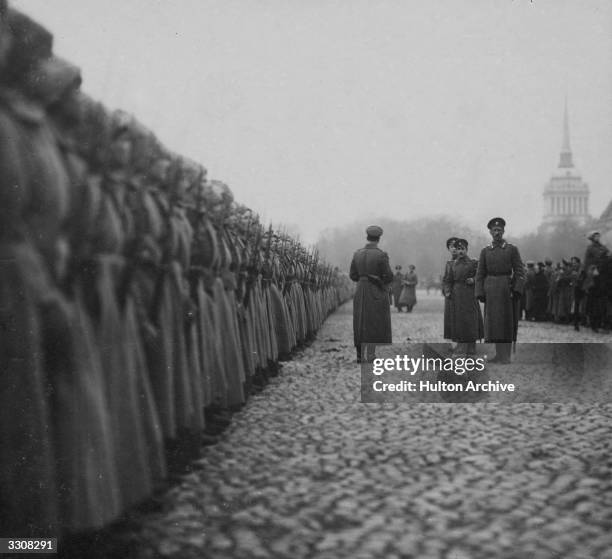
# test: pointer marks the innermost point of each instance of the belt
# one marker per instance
(499, 275)
(364, 278)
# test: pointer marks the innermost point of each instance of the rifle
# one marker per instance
(243, 258)
(268, 266)
(252, 265)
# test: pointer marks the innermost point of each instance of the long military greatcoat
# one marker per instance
(408, 294)
(565, 294)
(371, 313)
(448, 301)
(467, 325)
(396, 287)
(500, 272)
(594, 254)
(540, 294)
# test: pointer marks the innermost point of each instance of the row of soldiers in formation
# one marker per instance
(572, 291)
(136, 296)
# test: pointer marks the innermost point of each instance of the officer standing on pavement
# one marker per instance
(446, 290)
(500, 282)
(371, 314)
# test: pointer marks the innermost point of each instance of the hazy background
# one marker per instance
(327, 113)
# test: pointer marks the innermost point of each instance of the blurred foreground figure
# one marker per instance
(371, 314)
(500, 281)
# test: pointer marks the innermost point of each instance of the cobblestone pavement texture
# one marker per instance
(306, 470)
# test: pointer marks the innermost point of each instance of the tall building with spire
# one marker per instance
(566, 195)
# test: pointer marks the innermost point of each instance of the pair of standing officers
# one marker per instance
(498, 283)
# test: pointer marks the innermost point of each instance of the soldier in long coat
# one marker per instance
(527, 298)
(448, 302)
(408, 295)
(467, 322)
(540, 293)
(500, 281)
(564, 287)
(549, 274)
(594, 257)
(595, 252)
(371, 314)
(396, 287)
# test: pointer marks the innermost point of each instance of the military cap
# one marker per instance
(548, 261)
(451, 241)
(121, 122)
(461, 243)
(53, 78)
(374, 231)
(143, 147)
(541, 264)
(592, 234)
(530, 263)
(496, 222)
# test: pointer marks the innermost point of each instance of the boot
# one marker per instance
(370, 353)
(502, 353)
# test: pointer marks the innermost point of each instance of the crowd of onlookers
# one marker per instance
(573, 291)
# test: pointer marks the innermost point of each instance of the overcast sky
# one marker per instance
(325, 112)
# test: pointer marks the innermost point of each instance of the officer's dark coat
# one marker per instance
(408, 294)
(371, 312)
(448, 301)
(565, 294)
(500, 272)
(528, 293)
(467, 325)
(594, 255)
(540, 295)
(396, 287)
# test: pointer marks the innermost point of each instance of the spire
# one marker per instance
(566, 151)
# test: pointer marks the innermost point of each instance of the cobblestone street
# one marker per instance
(306, 470)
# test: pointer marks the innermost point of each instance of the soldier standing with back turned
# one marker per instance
(371, 314)
(499, 284)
